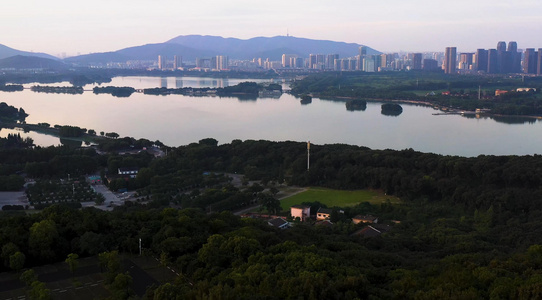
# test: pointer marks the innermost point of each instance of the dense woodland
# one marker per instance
(470, 228)
(428, 87)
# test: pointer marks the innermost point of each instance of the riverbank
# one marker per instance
(85, 137)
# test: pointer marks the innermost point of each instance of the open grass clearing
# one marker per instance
(338, 198)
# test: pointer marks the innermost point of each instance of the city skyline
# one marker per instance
(60, 27)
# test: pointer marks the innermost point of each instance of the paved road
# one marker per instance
(111, 199)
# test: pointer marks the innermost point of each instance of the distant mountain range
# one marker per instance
(31, 62)
(6, 52)
(189, 47)
(192, 46)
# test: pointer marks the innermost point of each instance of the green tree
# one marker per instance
(28, 277)
(270, 203)
(72, 262)
(16, 261)
(43, 235)
(121, 286)
(8, 250)
(39, 291)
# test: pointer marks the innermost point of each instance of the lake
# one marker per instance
(178, 120)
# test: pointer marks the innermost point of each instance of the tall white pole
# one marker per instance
(308, 154)
(139, 246)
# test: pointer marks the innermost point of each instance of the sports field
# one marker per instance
(338, 198)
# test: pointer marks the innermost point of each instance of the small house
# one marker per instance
(323, 213)
(303, 212)
(131, 172)
(279, 223)
(365, 219)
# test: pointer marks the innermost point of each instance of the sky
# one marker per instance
(73, 27)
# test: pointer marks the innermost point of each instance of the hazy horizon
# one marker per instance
(60, 27)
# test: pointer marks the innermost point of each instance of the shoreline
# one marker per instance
(447, 111)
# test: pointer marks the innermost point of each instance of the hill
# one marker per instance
(192, 46)
(6, 52)
(247, 49)
(31, 62)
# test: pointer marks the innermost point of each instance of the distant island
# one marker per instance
(356, 104)
(391, 109)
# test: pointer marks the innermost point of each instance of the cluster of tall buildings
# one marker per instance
(164, 64)
(502, 60)
(506, 58)
(360, 62)
(219, 62)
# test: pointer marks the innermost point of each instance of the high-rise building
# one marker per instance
(530, 62)
(539, 62)
(177, 62)
(481, 60)
(430, 64)
(312, 61)
(492, 61)
(465, 61)
(362, 51)
(515, 57)
(512, 46)
(222, 62)
(450, 58)
(287, 59)
(416, 61)
(162, 62)
(330, 61)
(501, 46)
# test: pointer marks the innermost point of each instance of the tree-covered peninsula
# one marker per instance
(510, 95)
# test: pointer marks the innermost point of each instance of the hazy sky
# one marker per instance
(73, 26)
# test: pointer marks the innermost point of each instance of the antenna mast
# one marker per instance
(308, 154)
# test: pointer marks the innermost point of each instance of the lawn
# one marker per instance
(337, 197)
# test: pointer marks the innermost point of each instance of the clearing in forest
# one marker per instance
(338, 198)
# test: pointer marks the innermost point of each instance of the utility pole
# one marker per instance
(308, 154)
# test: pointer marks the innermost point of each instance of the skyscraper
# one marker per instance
(177, 62)
(417, 61)
(512, 46)
(162, 62)
(330, 61)
(515, 57)
(481, 60)
(539, 62)
(286, 60)
(501, 46)
(530, 61)
(492, 61)
(450, 60)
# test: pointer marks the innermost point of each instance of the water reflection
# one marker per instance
(178, 83)
(511, 120)
(72, 144)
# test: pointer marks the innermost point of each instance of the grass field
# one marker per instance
(337, 197)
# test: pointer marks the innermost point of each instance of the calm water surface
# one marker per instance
(178, 120)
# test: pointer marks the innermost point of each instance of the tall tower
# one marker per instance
(162, 62)
(501, 46)
(450, 58)
(492, 61)
(417, 61)
(177, 62)
(481, 60)
(530, 61)
(308, 154)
